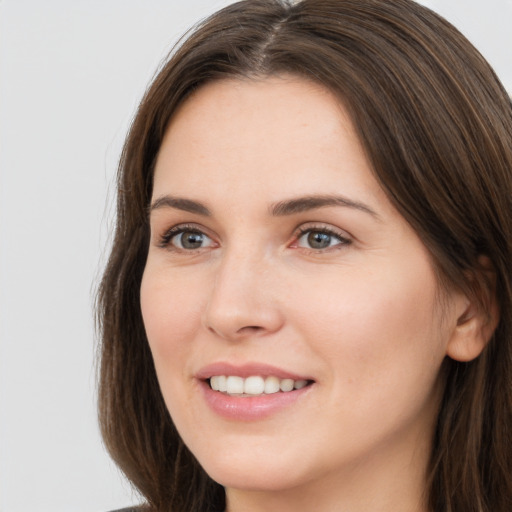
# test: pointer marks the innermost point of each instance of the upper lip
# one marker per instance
(247, 370)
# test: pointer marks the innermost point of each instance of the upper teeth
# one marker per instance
(254, 385)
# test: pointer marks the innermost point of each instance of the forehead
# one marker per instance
(265, 111)
(270, 135)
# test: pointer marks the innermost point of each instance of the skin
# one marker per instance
(361, 317)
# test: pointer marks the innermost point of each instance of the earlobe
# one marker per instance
(477, 323)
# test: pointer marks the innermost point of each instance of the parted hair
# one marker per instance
(436, 125)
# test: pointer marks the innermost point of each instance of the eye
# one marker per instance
(319, 239)
(191, 240)
(186, 239)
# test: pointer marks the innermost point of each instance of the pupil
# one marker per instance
(191, 240)
(319, 240)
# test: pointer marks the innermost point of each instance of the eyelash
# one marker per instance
(167, 237)
(303, 230)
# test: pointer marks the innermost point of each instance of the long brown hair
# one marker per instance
(437, 127)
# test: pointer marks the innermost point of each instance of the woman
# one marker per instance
(308, 301)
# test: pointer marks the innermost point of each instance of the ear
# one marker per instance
(477, 318)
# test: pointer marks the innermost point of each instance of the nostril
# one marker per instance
(249, 329)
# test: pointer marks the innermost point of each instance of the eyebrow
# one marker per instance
(180, 203)
(302, 204)
(279, 209)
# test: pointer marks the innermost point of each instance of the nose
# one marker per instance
(243, 300)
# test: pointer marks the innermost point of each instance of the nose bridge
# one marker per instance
(242, 298)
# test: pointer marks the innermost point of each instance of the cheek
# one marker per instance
(375, 323)
(382, 343)
(171, 314)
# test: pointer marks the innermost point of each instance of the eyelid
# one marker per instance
(165, 238)
(344, 237)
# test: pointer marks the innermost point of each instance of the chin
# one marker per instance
(255, 469)
(255, 477)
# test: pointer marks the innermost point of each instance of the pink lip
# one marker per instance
(247, 370)
(255, 408)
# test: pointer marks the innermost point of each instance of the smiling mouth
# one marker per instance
(256, 385)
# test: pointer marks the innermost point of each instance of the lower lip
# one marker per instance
(251, 408)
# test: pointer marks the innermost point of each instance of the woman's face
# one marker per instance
(275, 255)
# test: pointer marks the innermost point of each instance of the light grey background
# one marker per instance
(71, 73)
